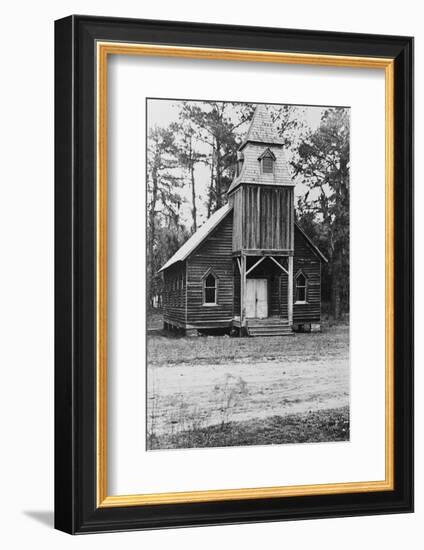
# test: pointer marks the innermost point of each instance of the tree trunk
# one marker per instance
(152, 231)
(210, 193)
(193, 200)
(335, 286)
(193, 191)
(218, 175)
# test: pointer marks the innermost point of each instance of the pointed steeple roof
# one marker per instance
(262, 129)
(261, 140)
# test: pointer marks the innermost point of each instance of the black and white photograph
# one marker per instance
(247, 274)
(208, 282)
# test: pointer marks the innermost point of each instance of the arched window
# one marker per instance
(301, 288)
(267, 165)
(210, 290)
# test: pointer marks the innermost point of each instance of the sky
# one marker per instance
(162, 112)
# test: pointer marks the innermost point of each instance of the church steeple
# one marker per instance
(261, 159)
(262, 198)
(262, 192)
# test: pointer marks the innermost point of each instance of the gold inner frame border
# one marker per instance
(103, 50)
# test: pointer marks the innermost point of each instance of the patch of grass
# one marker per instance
(165, 350)
(312, 427)
(154, 320)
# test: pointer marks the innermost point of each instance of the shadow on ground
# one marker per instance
(46, 517)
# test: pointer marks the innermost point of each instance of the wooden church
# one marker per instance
(249, 269)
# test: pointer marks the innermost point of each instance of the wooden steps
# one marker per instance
(271, 326)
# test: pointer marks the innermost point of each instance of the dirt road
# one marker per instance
(184, 396)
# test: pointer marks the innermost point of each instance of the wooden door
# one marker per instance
(250, 298)
(261, 298)
(256, 298)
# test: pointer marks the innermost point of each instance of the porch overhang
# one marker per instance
(245, 270)
(263, 252)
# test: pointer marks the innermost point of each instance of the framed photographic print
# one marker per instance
(233, 271)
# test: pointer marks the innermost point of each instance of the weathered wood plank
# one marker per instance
(215, 254)
(174, 294)
(264, 252)
(264, 218)
(306, 260)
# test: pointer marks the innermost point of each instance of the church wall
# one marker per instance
(305, 259)
(174, 294)
(214, 253)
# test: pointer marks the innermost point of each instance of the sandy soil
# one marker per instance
(183, 396)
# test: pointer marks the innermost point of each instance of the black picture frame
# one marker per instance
(76, 508)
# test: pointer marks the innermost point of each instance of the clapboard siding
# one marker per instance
(236, 307)
(306, 259)
(284, 289)
(215, 254)
(174, 295)
(274, 296)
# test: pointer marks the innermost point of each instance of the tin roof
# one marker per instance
(197, 238)
(313, 246)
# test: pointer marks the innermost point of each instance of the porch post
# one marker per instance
(290, 290)
(243, 291)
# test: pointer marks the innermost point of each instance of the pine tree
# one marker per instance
(322, 164)
(163, 200)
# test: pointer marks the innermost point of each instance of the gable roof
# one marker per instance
(267, 154)
(262, 129)
(197, 238)
(312, 245)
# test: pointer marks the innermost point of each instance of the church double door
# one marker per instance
(257, 298)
